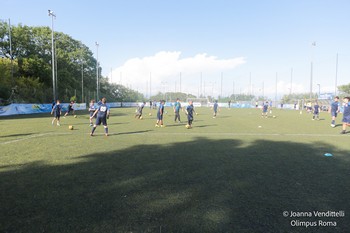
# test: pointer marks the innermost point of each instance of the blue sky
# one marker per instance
(139, 39)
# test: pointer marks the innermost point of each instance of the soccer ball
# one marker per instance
(188, 126)
(150, 114)
(75, 116)
(140, 117)
(71, 127)
(274, 116)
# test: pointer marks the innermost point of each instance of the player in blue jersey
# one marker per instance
(215, 108)
(160, 114)
(92, 109)
(102, 115)
(57, 110)
(138, 114)
(264, 109)
(189, 112)
(177, 107)
(346, 114)
(70, 109)
(316, 112)
(334, 110)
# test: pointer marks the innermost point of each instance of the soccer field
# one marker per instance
(235, 173)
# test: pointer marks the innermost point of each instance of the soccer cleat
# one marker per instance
(332, 125)
(162, 126)
(91, 124)
(91, 134)
(58, 124)
(106, 134)
(343, 132)
(156, 125)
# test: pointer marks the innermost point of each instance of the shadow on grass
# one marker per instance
(199, 186)
(16, 135)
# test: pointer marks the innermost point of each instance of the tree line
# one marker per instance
(26, 68)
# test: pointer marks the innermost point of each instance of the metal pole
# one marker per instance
(319, 90)
(311, 73)
(53, 55)
(10, 40)
(221, 85)
(97, 81)
(276, 90)
(82, 81)
(291, 82)
(201, 87)
(336, 76)
(56, 79)
(311, 82)
(180, 81)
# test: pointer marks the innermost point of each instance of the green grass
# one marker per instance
(224, 175)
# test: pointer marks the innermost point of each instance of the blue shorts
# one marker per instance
(346, 119)
(190, 117)
(92, 113)
(334, 114)
(159, 117)
(102, 120)
(57, 116)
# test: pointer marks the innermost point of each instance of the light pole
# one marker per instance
(319, 90)
(311, 73)
(97, 82)
(82, 81)
(336, 76)
(53, 55)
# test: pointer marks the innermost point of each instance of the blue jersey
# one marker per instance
(346, 113)
(215, 107)
(316, 108)
(265, 107)
(102, 111)
(335, 106)
(57, 109)
(190, 110)
(161, 109)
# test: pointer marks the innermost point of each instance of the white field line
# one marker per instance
(122, 134)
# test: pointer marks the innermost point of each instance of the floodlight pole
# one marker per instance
(51, 13)
(10, 39)
(336, 76)
(311, 73)
(97, 81)
(82, 81)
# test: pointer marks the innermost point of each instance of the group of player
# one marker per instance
(334, 109)
(57, 111)
(189, 110)
(102, 112)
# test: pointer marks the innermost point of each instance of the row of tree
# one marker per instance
(26, 68)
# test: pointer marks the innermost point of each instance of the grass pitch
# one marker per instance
(235, 173)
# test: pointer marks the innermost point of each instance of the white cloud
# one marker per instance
(164, 68)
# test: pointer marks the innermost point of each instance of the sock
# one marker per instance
(333, 122)
(93, 130)
(106, 130)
